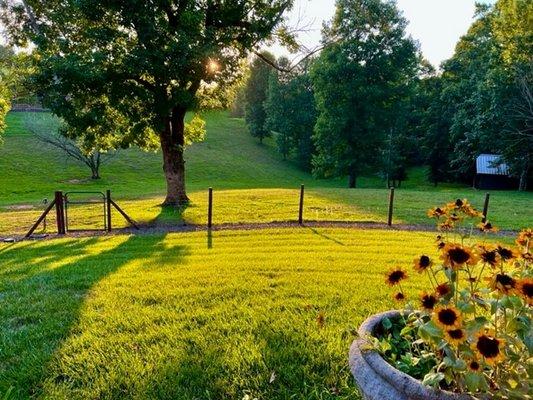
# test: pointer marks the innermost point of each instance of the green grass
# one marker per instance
(251, 182)
(192, 316)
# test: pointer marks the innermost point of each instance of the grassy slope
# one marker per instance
(251, 184)
(192, 317)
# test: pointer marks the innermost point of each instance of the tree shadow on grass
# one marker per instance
(38, 311)
(170, 216)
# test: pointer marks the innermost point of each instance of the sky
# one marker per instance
(436, 24)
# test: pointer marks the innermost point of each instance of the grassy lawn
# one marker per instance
(251, 182)
(187, 316)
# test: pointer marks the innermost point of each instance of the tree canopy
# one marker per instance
(376, 60)
(135, 68)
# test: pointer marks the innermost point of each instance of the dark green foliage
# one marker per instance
(398, 346)
(256, 93)
(483, 104)
(376, 61)
(291, 113)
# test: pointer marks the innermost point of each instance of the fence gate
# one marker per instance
(85, 211)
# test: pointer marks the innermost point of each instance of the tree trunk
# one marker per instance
(522, 186)
(352, 180)
(172, 146)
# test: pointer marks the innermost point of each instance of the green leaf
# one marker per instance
(433, 379)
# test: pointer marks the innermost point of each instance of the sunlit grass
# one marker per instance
(251, 182)
(192, 316)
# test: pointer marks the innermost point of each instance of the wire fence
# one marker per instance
(271, 205)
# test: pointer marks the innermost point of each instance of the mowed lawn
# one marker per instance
(269, 314)
(251, 182)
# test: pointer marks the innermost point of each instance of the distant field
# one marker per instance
(251, 182)
(192, 316)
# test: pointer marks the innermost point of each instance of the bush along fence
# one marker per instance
(61, 203)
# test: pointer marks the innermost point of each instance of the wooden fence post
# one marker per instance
(210, 208)
(391, 206)
(108, 209)
(60, 213)
(301, 209)
(486, 207)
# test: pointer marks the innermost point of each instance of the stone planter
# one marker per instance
(378, 380)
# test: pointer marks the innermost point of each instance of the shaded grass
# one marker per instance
(166, 317)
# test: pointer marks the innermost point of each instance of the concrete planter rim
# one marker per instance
(367, 367)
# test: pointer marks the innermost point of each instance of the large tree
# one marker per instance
(137, 66)
(256, 93)
(358, 79)
(485, 86)
(291, 113)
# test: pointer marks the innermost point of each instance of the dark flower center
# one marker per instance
(505, 280)
(506, 254)
(456, 334)
(527, 289)
(474, 365)
(458, 255)
(443, 289)
(489, 257)
(424, 261)
(396, 276)
(428, 301)
(447, 316)
(488, 225)
(459, 203)
(399, 296)
(488, 347)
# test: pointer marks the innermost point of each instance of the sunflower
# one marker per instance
(506, 253)
(447, 317)
(487, 227)
(455, 256)
(489, 347)
(456, 205)
(422, 263)
(456, 336)
(524, 237)
(502, 283)
(489, 256)
(399, 296)
(443, 289)
(436, 212)
(428, 301)
(524, 288)
(395, 276)
(474, 365)
(447, 225)
(527, 256)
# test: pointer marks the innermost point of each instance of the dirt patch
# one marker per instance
(76, 181)
(20, 207)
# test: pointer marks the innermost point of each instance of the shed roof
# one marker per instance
(490, 164)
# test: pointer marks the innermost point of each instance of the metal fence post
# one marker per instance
(210, 208)
(108, 209)
(391, 206)
(301, 209)
(486, 207)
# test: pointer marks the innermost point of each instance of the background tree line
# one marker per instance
(370, 104)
